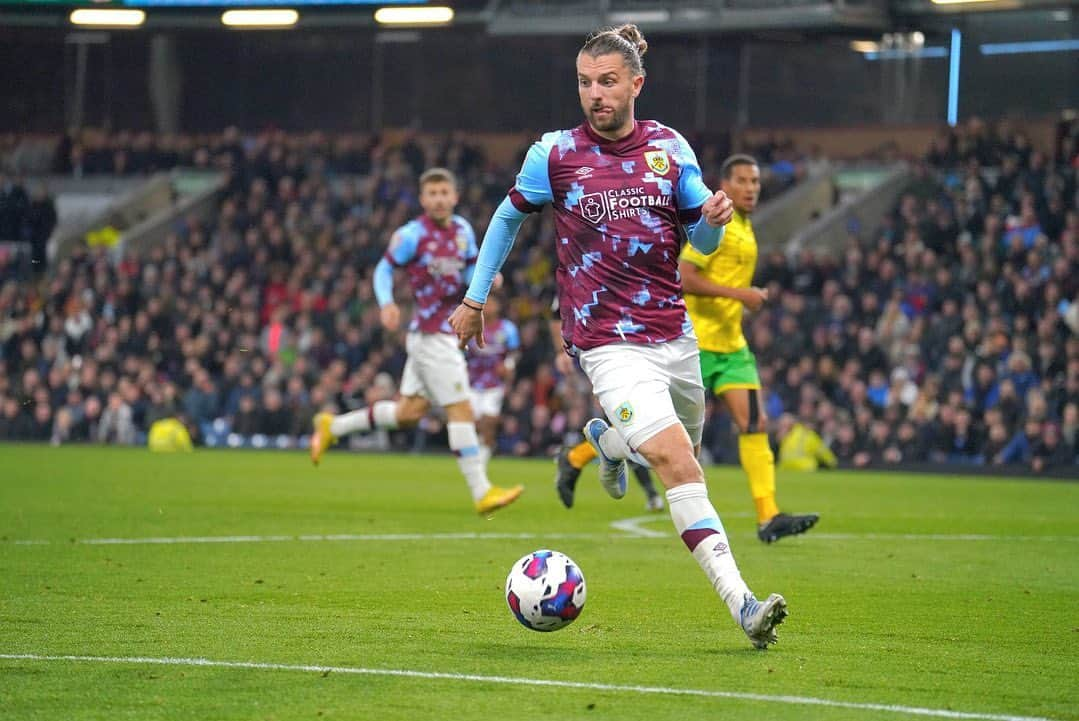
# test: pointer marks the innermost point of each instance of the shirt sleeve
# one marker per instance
(497, 242)
(403, 244)
(383, 281)
(532, 190)
(513, 337)
(691, 191)
(471, 248)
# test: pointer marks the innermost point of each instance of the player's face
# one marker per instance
(438, 199)
(607, 89)
(743, 187)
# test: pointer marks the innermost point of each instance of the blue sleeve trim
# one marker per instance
(513, 336)
(692, 192)
(403, 244)
(383, 282)
(497, 242)
(534, 180)
(706, 238)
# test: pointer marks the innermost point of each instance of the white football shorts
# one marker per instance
(435, 369)
(645, 389)
(487, 401)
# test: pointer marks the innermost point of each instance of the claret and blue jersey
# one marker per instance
(619, 210)
(439, 262)
(501, 338)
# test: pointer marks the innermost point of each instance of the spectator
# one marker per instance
(116, 425)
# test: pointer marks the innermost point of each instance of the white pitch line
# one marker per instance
(478, 678)
(630, 528)
(174, 540)
(635, 527)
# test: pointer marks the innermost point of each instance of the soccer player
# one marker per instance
(571, 461)
(625, 193)
(717, 286)
(438, 251)
(488, 369)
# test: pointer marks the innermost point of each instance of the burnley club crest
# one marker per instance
(657, 161)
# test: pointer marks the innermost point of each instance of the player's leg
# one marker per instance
(581, 455)
(442, 370)
(568, 465)
(754, 453)
(465, 444)
(757, 619)
(638, 388)
(654, 501)
(486, 407)
(671, 449)
(381, 415)
(739, 387)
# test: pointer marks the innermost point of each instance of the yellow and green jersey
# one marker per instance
(718, 321)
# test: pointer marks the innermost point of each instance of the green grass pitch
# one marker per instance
(916, 596)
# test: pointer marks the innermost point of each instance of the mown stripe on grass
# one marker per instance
(478, 678)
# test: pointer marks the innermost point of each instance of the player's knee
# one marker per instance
(409, 414)
(674, 463)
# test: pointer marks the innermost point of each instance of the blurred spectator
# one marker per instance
(801, 448)
(116, 425)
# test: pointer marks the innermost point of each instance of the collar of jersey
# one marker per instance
(626, 140)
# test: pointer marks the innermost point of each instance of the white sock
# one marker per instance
(614, 446)
(485, 454)
(701, 530)
(466, 446)
(381, 415)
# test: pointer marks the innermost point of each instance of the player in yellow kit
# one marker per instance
(716, 288)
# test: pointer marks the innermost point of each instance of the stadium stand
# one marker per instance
(950, 334)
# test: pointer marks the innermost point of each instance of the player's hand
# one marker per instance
(754, 298)
(717, 210)
(563, 363)
(390, 315)
(467, 323)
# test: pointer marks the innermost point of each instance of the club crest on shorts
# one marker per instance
(657, 161)
(624, 413)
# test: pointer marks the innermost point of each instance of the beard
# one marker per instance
(614, 121)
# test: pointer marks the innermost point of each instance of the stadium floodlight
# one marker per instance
(961, 2)
(107, 17)
(433, 15)
(864, 46)
(276, 18)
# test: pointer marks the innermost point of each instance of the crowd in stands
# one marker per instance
(950, 334)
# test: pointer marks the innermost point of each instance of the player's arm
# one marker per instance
(695, 282)
(531, 191)
(703, 212)
(402, 251)
(472, 253)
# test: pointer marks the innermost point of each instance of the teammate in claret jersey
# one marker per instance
(488, 369)
(438, 252)
(625, 194)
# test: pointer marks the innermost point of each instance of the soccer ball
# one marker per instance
(545, 590)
